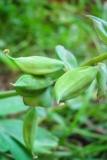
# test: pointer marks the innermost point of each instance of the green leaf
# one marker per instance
(67, 57)
(101, 80)
(41, 112)
(45, 141)
(4, 145)
(100, 26)
(18, 151)
(44, 99)
(11, 105)
(59, 119)
(2, 157)
(13, 128)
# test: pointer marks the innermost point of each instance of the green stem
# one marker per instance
(8, 94)
(96, 60)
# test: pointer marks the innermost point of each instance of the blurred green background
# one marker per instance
(35, 27)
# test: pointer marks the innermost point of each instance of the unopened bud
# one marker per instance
(6, 51)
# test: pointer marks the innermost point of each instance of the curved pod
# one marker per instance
(37, 65)
(74, 82)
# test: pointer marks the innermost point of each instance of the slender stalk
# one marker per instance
(8, 94)
(96, 60)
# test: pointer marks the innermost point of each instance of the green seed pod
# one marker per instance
(30, 128)
(44, 99)
(37, 65)
(100, 26)
(101, 80)
(29, 85)
(74, 82)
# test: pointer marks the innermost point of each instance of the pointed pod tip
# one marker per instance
(87, 15)
(12, 84)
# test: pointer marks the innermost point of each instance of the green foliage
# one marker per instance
(11, 105)
(67, 57)
(74, 128)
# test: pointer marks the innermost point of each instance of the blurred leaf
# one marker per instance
(18, 151)
(11, 105)
(100, 26)
(59, 119)
(67, 57)
(2, 157)
(4, 145)
(13, 128)
(41, 112)
(45, 141)
(44, 99)
(101, 80)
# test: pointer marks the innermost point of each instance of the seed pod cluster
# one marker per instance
(74, 82)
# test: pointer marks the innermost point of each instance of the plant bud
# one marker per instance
(6, 51)
(74, 82)
(37, 65)
(29, 85)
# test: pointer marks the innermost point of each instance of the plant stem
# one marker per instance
(96, 60)
(8, 94)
